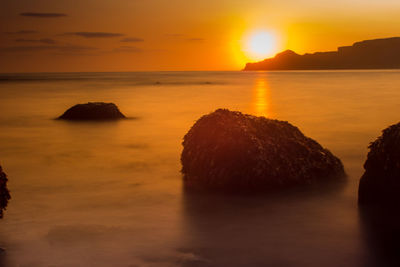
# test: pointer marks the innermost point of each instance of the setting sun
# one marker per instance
(260, 45)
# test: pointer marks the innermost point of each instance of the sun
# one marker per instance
(259, 45)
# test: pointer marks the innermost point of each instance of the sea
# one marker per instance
(111, 193)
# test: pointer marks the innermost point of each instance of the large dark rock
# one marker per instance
(93, 111)
(4, 193)
(380, 229)
(228, 150)
(380, 183)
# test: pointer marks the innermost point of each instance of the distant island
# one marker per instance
(369, 54)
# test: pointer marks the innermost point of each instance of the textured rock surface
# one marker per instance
(93, 111)
(4, 193)
(228, 150)
(380, 183)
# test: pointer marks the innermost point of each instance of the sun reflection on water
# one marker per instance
(261, 97)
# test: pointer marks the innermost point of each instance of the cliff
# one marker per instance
(369, 54)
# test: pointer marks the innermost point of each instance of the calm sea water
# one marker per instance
(110, 193)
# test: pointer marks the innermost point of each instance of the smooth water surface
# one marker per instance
(110, 193)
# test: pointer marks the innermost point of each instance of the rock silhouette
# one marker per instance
(93, 111)
(369, 54)
(228, 150)
(4, 193)
(380, 183)
(381, 231)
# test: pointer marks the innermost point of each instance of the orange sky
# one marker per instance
(134, 35)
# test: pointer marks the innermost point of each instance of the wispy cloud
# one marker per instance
(174, 35)
(127, 49)
(195, 39)
(26, 48)
(76, 49)
(42, 15)
(22, 32)
(95, 34)
(184, 38)
(57, 48)
(43, 40)
(132, 40)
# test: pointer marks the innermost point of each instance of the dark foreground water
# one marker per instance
(110, 194)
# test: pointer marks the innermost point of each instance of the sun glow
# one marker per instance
(259, 45)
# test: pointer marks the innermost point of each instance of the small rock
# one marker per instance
(93, 111)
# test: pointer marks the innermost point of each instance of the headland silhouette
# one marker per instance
(369, 54)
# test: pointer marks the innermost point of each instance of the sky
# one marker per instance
(169, 35)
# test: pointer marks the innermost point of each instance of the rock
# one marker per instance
(381, 232)
(228, 150)
(4, 193)
(380, 183)
(3, 261)
(93, 111)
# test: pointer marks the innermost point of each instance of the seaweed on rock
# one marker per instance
(380, 183)
(228, 150)
(4, 193)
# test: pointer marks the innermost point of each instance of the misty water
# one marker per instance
(110, 193)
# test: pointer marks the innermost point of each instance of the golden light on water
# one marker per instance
(261, 97)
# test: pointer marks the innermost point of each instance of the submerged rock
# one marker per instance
(228, 150)
(380, 183)
(93, 111)
(4, 193)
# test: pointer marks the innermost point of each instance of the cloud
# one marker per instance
(127, 49)
(75, 48)
(42, 15)
(22, 32)
(195, 39)
(26, 48)
(95, 34)
(184, 38)
(58, 48)
(174, 35)
(43, 40)
(132, 40)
